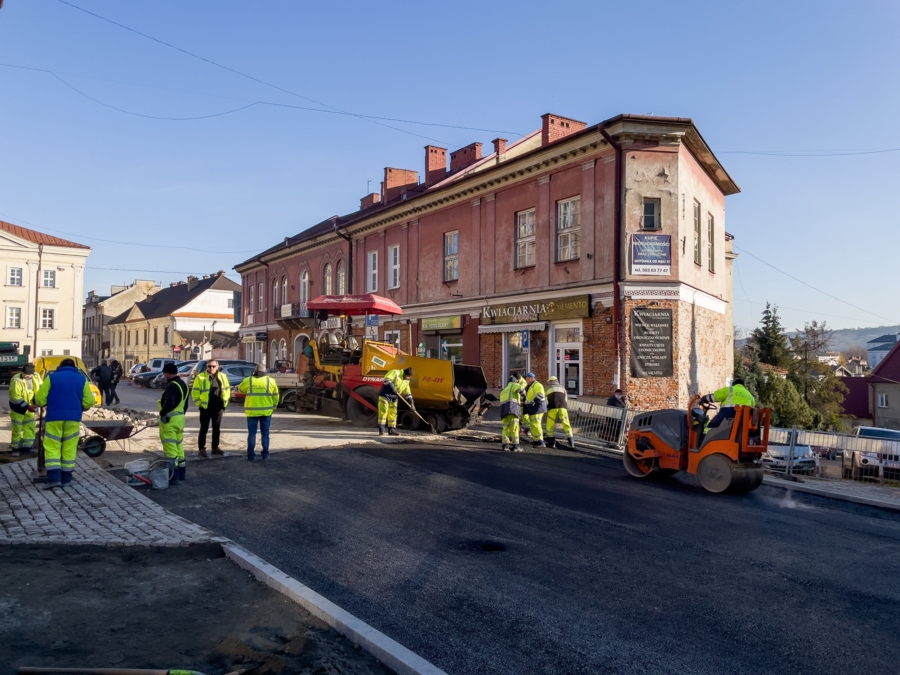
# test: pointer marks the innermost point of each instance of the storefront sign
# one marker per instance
(651, 343)
(651, 254)
(262, 337)
(331, 323)
(575, 307)
(442, 323)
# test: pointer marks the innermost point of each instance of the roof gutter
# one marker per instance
(617, 248)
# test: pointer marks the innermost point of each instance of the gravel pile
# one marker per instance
(137, 418)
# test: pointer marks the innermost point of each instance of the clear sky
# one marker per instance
(780, 77)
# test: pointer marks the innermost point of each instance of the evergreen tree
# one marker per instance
(769, 339)
(788, 407)
(822, 391)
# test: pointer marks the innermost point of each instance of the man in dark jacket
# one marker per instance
(117, 374)
(67, 394)
(172, 407)
(617, 400)
(103, 373)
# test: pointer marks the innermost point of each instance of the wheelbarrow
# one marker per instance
(94, 444)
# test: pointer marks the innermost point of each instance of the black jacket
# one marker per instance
(103, 374)
(117, 372)
(616, 403)
(172, 396)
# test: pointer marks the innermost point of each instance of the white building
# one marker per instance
(49, 304)
(878, 348)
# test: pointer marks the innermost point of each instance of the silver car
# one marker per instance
(776, 458)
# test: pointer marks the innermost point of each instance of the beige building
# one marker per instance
(99, 310)
(150, 328)
(43, 283)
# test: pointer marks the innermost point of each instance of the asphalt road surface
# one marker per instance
(490, 562)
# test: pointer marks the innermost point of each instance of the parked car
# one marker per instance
(144, 379)
(776, 458)
(884, 447)
(159, 382)
(200, 367)
(135, 370)
(156, 365)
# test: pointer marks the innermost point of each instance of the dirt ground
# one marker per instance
(187, 608)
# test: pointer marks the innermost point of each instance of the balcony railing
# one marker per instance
(295, 310)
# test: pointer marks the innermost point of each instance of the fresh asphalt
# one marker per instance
(491, 562)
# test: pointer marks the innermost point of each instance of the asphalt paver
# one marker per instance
(492, 562)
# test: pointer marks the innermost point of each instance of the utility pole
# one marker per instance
(37, 290)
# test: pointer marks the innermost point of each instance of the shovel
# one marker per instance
(416, 413)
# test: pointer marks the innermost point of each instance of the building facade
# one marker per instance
(594, 253)
(150, 328)
(42, 290)
(99, 310)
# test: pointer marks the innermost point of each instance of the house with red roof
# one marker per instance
(42, 289)
(874, 400)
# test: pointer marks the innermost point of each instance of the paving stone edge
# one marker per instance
(390, 652)
(815, 490)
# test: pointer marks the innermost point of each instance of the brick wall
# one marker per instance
(492, 359)
(599, 353)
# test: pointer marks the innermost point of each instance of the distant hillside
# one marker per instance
(849, 338)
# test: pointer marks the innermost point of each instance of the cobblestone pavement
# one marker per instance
(95, 510)
(853, 491)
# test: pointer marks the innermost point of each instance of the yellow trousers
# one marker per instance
(387, 413)
(22, 437)
(534, 421)
(510, 430)
(560, 415)
(60, 448)
(171, 434)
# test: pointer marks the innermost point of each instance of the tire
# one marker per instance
(360, 415)
(290, 402)
(716, 473)
(438, 421)
(406, 420)
(92, 446)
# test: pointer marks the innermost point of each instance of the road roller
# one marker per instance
(726, 456)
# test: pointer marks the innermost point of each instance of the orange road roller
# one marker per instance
(725, 455)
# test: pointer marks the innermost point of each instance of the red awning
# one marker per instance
(354, 305)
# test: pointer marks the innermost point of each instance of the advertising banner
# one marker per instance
(651, 342)
(651, 254)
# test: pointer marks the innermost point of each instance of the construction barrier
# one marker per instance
(604, 426)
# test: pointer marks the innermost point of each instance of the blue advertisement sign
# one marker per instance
(651, 254)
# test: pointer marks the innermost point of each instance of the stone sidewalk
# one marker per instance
(844, 490)
(95, 510)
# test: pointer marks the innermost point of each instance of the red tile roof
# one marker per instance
(37, 237)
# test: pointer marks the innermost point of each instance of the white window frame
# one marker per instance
(48, 318)
(262, 297)
(568, 229)
(451, 256)
(393, 336)
(274, 293)
(250, 310)
(882, 400)
(341, 278)
(372, 272)
(48, 276)
(329, 286)
(654, 219)
(394, 266)
(10, 311)
(304, 287)
(16, 279)
(698, 235)
(525, 239)
(711, 242)
(284, 291)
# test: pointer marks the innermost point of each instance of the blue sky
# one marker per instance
(762, 76)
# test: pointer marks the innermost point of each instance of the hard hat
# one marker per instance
(552, 378)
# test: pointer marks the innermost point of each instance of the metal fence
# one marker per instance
(603, 425)
(834, 456)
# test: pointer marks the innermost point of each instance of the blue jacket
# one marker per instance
(66, 393)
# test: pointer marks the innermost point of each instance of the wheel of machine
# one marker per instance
(290, 402)
(92, 446)
(360, 415)
(745, 479)
(406, 420)
(715, 472)
(639, 468)
(438, 421)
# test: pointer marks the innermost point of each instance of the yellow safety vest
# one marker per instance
(261, 396)
(200, 390)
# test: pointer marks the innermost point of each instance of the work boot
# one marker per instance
(173, 470)
(551, 442)
(16, 453)
(49, 485)
(201, 453)
(218, 453)
(381, 430)
(392, 431)
(182, 472)
(571, 442)
(516, 448)
(538, 444)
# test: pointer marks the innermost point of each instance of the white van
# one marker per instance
(156, 365)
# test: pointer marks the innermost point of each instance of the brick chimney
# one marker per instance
(499, 145)
(192, 282)
(555, 127)
(369, 200)
(435, 164)
(465, 157)
(398, 181)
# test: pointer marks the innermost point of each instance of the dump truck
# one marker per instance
(343, 379)
(12, 360)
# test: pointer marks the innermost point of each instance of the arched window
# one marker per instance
(304, 287)
(284, 295)
(341, 278)
(282, 348)
(274, 353)
(327, 285)
(274, 294)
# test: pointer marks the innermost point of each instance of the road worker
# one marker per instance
(22, 389)
(211, 393)
(66, 393)
(172, 406)
(728, 397)
(520, 379)
(261, 399)
(510, 412)
(395, 385)
(535, 407)
(557, 412)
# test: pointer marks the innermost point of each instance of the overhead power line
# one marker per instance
(836, 153)
(834, 297)
(123, 269)
(368, 118)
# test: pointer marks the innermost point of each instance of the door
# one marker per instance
(567, 358)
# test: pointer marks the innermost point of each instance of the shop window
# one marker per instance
(568, 229)
(525, 239)
(516, 353)
(451, 256)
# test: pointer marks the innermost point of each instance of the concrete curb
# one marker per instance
(820, 492)
(388, 651)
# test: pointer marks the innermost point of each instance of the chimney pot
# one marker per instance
(555, 127)
(499, 146)
(369, 200)
(464, 157)
(398, 181)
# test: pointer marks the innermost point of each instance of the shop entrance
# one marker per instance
(517, 356)
(567, 358)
